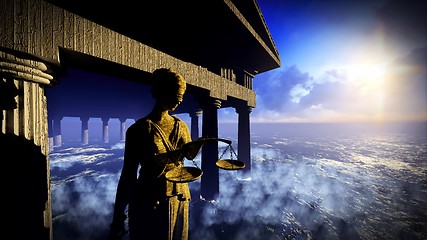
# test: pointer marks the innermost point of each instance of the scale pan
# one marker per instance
(229, 164)
(184, 174)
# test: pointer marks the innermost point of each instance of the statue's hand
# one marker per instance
(191, 149)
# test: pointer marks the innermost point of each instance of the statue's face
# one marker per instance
(173, 99)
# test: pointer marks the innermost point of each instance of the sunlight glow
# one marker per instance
(369, 82)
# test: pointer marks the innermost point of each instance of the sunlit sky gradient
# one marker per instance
(344, 61)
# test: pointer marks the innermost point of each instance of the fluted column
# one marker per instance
(122, 129)
(195, 124)
(105, 134)
(85, 130)
(244, 138)
(210, 180)
(24, 144)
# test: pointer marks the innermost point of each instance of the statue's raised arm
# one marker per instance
(191, 149)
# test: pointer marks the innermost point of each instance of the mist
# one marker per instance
(306, 182)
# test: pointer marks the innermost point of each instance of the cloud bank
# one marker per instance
(357, 91)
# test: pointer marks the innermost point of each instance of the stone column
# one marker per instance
(85, 130)
(244, 138)
(24, 144)
(105, 135)
(210, 179)
(50, 134)
(57, 135)
(195, 124)
(122, 129)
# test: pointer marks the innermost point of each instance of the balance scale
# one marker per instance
(185, 174)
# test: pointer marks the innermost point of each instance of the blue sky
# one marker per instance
(344, 61)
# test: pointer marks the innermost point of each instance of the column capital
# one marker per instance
(243, 109)
(211, 102)
(196, 113)
(23, 66)
(58, 118)
(84, 119)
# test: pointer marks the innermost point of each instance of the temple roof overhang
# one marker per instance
(211, 33)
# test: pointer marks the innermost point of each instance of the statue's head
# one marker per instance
(168, 86)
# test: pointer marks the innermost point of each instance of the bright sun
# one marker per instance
(369, 87)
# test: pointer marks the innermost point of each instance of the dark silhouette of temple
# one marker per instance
(218, 46)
